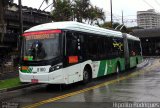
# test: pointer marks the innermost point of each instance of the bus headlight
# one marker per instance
(55, 67)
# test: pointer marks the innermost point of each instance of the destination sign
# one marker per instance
(40, 36)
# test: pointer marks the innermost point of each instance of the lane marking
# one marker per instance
(87, 89)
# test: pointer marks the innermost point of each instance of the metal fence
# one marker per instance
(8, 61)
(6, 69)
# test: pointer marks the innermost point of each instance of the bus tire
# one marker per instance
(86, 76)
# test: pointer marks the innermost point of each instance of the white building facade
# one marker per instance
(148, 19)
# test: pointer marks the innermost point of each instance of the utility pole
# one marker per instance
(20, 17)
(19, 43)
(122, 18)
(111, 13)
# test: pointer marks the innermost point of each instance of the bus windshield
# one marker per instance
(41, 47)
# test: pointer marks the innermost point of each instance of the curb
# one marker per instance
(151, 56)
(18, 87)
(144, 63)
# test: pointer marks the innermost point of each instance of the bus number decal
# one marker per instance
(41, 69)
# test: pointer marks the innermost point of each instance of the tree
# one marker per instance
(62, 11)
(84, 11)
(76, 10)
(3, 5)
(116, 26)
(80, 9)
(108, 25)
(96, 15)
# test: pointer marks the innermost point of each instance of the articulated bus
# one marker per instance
(69, 52)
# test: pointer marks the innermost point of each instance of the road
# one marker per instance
(141, 84)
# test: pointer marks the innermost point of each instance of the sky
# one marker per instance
(129, 8)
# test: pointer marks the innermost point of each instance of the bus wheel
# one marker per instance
(86, 76)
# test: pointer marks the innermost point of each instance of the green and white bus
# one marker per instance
(69, 52)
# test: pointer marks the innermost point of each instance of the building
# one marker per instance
(31, 17)
(150, 41)
(148, 19)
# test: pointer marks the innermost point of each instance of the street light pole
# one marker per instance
(122, 18)
(19, 43)
(20, 17)
(111, 13)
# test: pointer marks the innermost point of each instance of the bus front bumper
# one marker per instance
(50, 78)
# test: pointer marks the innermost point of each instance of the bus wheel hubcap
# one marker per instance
(85, 75)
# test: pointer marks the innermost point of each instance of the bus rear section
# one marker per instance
(132, 51)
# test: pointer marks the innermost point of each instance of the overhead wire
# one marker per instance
(148, 4)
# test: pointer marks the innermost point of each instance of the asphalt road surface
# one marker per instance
(139, 87)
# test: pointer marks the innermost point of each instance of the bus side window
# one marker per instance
(109, 47)
(131, 48)
(101, 48)
(72, 44)
(89, 47)
(137, 47)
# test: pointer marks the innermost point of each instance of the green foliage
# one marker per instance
(62, 11)
(77, 10)
(117, 26)
(80, 9)
(108, 25)
(9, 83)
(95, 15)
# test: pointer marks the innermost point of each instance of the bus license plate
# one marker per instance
(34, 80)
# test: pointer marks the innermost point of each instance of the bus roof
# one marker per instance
(132, 37)
(71, 25)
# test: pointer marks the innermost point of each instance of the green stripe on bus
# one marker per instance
(122, 64)
(102, 68)
(109, 62)
(110, 66)
(24, 71)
